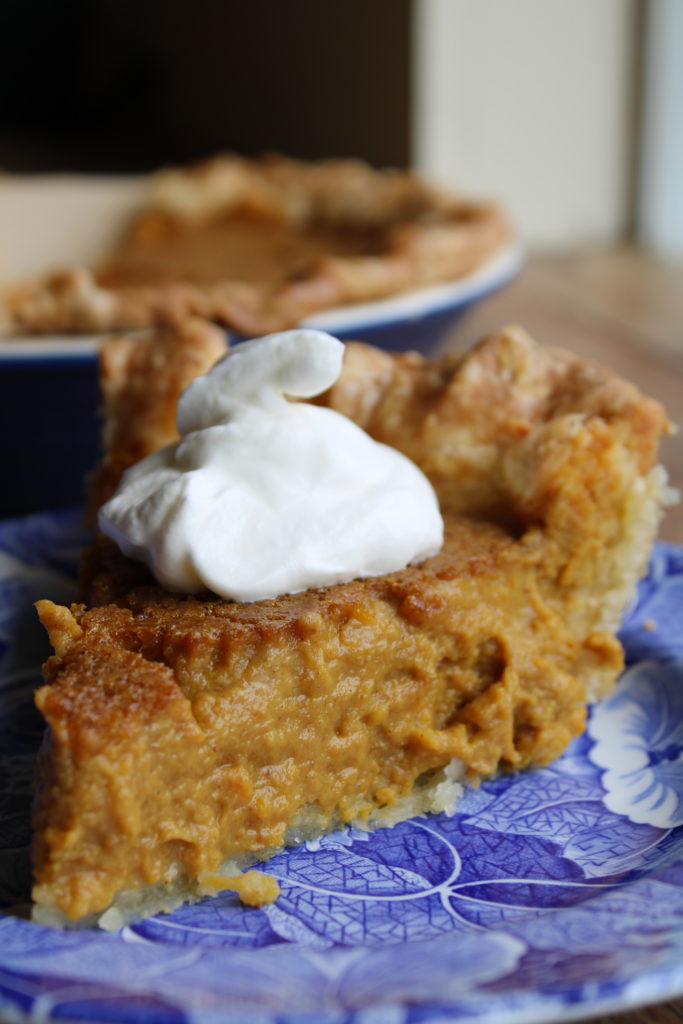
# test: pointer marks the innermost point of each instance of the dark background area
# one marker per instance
(125, 86)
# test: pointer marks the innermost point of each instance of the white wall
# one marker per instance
(660, 210)
(531, 101)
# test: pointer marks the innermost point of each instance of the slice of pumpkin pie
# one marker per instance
(190, 734)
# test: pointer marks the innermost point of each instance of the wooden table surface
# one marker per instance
(624, 309)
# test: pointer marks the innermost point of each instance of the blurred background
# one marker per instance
(570, 111)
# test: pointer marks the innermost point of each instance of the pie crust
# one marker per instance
(185, 732)
(257, 245)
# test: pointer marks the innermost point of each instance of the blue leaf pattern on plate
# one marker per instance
(546, 890)
(653, 627)
(638, 734)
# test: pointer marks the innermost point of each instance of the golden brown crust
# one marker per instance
(558, 449)
(141, 379)
(258, 245)
(449, 414)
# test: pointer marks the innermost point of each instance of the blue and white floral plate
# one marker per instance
(550, 895)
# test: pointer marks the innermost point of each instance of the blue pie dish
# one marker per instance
(49, 392)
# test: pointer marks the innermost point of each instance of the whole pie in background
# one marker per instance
(257, 245)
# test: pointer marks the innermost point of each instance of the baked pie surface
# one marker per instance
(184, 731)
(259, 244)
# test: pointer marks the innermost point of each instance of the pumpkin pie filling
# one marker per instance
(187, 731)
(249, 247)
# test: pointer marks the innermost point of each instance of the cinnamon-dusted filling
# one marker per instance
(194, 730)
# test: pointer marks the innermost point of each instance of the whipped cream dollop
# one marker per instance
(263, 496)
